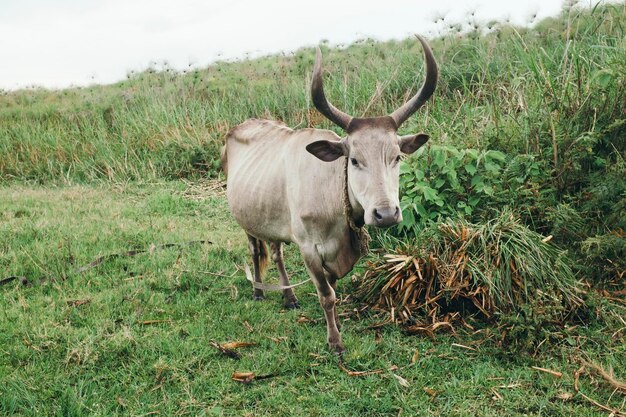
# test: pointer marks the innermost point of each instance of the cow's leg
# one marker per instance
(326, 295)
(332, 280)
(258, 250)
(289, 297)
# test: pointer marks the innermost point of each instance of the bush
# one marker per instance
(442, 180)
(607, 255)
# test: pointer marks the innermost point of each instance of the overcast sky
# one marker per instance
(77, 42)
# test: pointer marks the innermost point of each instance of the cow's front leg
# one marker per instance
(326, 295)
(332, 280)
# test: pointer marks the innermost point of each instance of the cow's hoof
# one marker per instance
(292, 305)
(258, 297)
(337, 348)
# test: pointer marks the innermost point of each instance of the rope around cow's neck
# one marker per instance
(361, 232)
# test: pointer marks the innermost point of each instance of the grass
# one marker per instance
(82, 344)
(86, 172)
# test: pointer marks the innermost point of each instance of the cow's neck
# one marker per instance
(354, 217)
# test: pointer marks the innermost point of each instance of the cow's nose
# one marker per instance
(386, 216)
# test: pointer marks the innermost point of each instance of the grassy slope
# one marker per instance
(99, 359)
(517, 90)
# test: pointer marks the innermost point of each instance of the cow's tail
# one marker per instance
(263, 257)
(224, 160)
(258, 250)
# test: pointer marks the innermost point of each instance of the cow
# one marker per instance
(316, 189)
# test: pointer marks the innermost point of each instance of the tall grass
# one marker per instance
(555, 90)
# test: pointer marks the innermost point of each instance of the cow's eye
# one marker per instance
(354, 162)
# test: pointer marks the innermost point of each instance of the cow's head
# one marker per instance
(372, 147)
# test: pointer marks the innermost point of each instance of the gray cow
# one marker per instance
(289, 185)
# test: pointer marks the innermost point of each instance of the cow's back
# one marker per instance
(274, 183)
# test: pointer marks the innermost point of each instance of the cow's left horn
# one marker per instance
(335, 115)
(427, 90)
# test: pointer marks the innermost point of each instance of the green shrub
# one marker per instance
(442, 180)
(605, 257)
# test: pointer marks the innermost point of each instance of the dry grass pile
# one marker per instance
(456, 269)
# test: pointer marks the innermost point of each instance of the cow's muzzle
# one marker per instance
(386, 216)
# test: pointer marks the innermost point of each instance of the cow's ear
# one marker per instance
(326, 150)
(411, 143)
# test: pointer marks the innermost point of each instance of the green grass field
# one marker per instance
(526, 121)
(132, 335)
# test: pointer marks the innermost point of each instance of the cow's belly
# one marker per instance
(259, 209)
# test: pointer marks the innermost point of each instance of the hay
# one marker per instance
(456, 269)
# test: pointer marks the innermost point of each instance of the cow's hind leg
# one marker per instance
(289, 297)
(258, 250)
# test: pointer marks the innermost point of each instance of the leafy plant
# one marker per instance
(606, 255)
(441, 181)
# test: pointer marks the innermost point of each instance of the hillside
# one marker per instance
(506, 88)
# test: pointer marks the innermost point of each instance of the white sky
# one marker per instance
(78, 42)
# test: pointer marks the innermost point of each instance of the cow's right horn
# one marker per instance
(335, 115)
(427, 90)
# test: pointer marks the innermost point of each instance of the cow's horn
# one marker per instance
(335, 115)
(418, 100)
